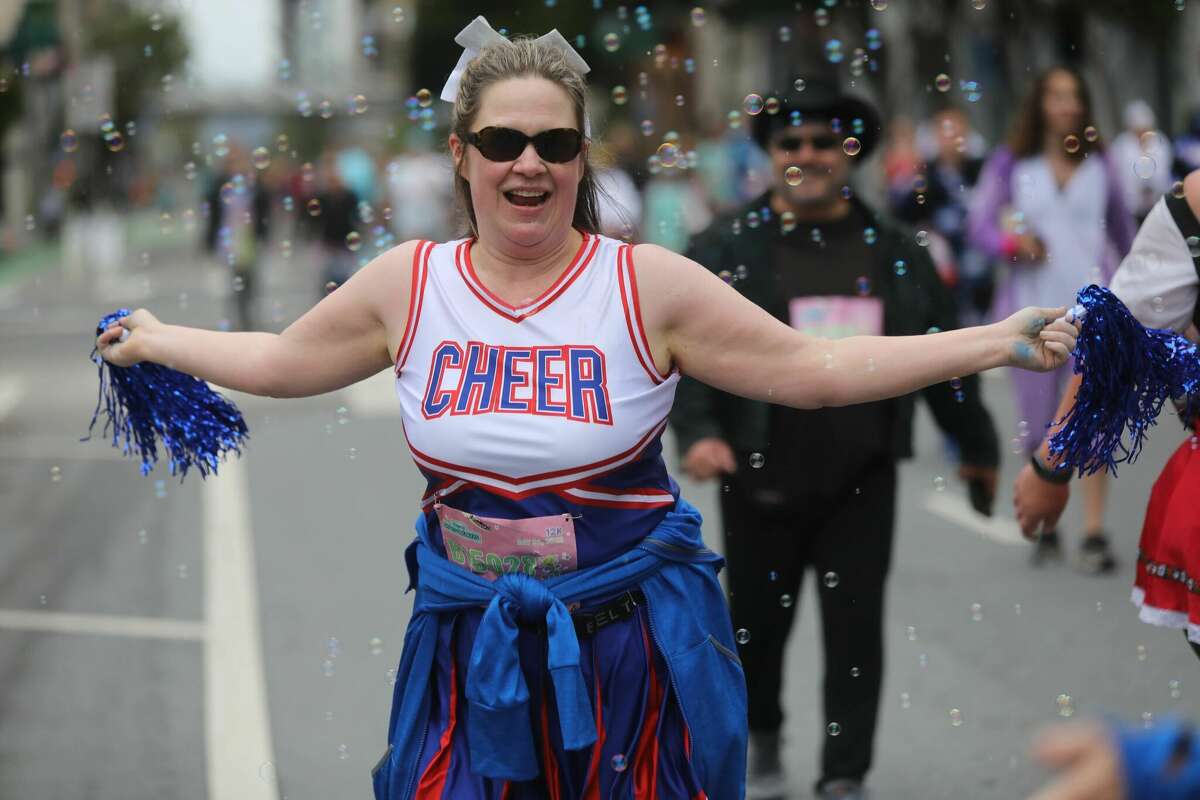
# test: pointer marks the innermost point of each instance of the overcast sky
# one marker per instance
(234, 43)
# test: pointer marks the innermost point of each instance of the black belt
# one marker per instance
(621, 607)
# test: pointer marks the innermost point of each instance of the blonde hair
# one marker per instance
(519, 58)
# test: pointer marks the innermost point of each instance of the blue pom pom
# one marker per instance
(1129, 371)
(148, 401)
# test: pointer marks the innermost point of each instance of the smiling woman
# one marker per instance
(536, 363)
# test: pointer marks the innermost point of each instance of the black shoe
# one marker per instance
(765, 779)
(843, 789)
(1095, 556)
(1047, 547)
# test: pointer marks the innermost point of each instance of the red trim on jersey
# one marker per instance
(507, 786)
(580, 261)
(637, 315)
(433, 780)
(569, 474)
(645, 759)
(416, 298)
(622, 254)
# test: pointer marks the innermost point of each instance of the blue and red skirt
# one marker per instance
(643, 746)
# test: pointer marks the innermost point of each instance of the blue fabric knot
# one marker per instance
(500, 735)
(529, 596)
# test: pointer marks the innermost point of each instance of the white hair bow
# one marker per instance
(479, 34)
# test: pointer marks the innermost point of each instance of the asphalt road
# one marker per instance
(236, 638)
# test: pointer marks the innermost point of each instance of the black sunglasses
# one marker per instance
(558, 145)
(819, 142)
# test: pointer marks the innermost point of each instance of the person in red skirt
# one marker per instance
(1159, 281)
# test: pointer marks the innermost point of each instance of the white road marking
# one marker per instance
(12, 389)
(102, 624)
(237, 728)
(374, 397)
(956, 509)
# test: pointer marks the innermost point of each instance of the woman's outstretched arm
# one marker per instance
(715, 335)
(341, 340)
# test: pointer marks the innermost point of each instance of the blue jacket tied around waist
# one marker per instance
(689, 622)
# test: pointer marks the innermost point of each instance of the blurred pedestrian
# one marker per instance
(1187, 146)
(816, 489)
(619, 196)
(1143, 158)
(417, 190)
(1159, 281)
(936, 198)
(239, 212)
(336, 221)
(1049, 208)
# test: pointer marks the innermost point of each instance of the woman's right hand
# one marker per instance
(125, 351)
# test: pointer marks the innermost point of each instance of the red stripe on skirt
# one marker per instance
(551, 768)
(592, 789)
(645, 759)
(433, 781)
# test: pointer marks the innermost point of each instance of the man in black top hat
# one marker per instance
(817, 488)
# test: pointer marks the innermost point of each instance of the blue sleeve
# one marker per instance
(1162, 763)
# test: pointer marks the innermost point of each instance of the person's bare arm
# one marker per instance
(341, 340)
(717, 336)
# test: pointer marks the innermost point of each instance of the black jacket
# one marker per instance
(913, 303)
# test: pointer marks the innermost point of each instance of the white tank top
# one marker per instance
(547, 396)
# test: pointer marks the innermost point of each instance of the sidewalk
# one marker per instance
(141, 233)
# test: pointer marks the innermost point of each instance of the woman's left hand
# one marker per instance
(1040, 339)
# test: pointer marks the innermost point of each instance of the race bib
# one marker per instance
(540, 547)
(837, 317)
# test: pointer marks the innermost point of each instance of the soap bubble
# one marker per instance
(798, 85)
(786, 600)
(612, 42)
(793, 176)
(69, 141)
(424, 98)
(1071, 143)
(833, 729)
(1066, 706)
(1144, 167)
(1090, 133)
(353, 241)
(942, 82)
(752, 104)
(757, 460)
(956, 718)
(831, 580)
(261, 158)
(742, 636)
(852, 146)
(619, 763)
(698, 17)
